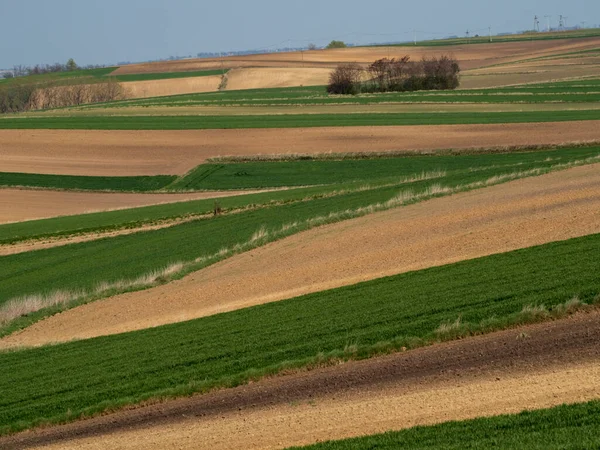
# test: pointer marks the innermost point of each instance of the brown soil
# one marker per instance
(470, 56)
(74, 152)
(175, 86)
(533, 367)
(17, 205)
(276, 78)
(506, 217)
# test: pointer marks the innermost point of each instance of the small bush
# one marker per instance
(336, 44)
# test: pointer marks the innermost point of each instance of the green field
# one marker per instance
(227, 349)
(563, 427)
(70, 182)
(168, 75)
(290, 120)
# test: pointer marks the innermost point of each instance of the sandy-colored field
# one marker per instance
(532, 367)
(17, 205)
(470, 56)
(276, 78)
(175, 86)
(516, 215)
(313, 67)
(91, 152)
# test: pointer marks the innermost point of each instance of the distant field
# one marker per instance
(485, 39)
(168, 75)
(567, 426)
(289, 121)
(226, 349)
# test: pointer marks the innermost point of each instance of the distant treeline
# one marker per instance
(396, 75)
(23, 96)
(41, 69)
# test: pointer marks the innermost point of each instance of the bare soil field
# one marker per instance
(276, 78)
(538, 366)
(93, 152)
(497, 219)
(175, 86)
(470, 56)
(17, 205)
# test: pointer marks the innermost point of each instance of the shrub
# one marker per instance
(336, 44)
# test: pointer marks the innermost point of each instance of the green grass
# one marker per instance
(290, 121)
(563, 427)
(71, 182)
(61, 382)
(168, 75)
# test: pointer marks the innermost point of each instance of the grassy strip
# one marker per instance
(290, 120)
(136, 217)
(83, 183)
(87, 265)
(168, 75)
(57, 76)
(566, 426)
(314, 171)
(63, 382)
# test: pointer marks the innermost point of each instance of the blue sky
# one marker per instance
(108, 31)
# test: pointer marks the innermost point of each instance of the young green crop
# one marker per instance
(71, 182)
(290, 120)
(566, 426)
(62, 382)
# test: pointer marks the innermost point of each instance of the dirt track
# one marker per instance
(17, 205)
(73, 152)
(533, 367)
(515, 215)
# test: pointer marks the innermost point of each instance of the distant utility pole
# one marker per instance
(548, 19)
(583, 24)
(415, 36)
(565, 21)
(536, 24)
(490, 30)
(561, 23)
(468, 36)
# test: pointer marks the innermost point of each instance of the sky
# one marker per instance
(111, 31)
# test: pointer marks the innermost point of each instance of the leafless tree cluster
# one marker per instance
(396, 75)
(76, 94)
(40, 69)
(345, 79)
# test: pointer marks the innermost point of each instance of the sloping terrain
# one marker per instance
(17, 205)
(118, 152)
(532, 367)
(175, 86)
(515, 215)
(470, 56)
